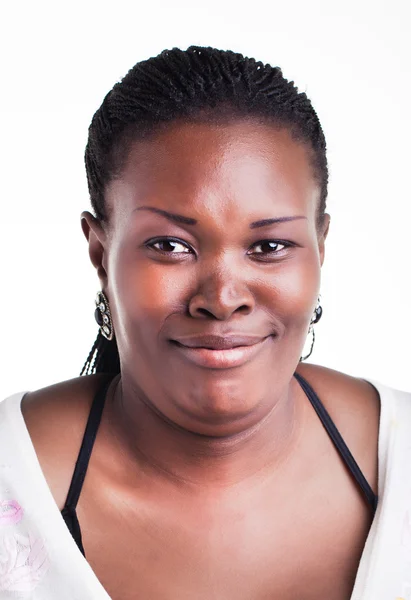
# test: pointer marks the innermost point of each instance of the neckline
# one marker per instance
(79, 563)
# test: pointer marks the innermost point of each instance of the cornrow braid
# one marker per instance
(189, 85)
(103, 357)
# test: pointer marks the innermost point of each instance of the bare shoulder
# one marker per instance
(56, 417)
(354, 406)
(356, 395)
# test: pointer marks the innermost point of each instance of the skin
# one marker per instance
(224, 480)
(238, 174)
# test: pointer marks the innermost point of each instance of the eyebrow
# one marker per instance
(190, 221)
(170, 216)
(265, 222)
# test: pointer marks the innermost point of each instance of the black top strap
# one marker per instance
(69, 510)
(338, 442)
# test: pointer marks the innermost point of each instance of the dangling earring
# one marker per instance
(314, 319)
(102, 315)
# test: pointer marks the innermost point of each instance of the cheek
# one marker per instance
(293, 291)
(145, 293)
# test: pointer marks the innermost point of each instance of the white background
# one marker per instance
(353, 58)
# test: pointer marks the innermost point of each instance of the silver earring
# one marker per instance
(318, 312)
(102, 315)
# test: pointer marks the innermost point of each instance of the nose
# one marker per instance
(221, 293)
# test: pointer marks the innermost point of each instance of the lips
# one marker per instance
(216, 342)
(224, 353)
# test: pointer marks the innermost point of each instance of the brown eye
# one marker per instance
(168, 246)
(270, 247)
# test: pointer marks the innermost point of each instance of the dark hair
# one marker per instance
(199, 83)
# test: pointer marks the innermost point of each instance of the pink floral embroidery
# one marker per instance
(23, 562)
(10, 512)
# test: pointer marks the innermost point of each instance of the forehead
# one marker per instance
(219, 170)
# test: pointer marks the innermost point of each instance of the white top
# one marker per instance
(40, 560)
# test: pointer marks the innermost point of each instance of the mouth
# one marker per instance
(221, 358)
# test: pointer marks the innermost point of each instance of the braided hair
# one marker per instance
(198, 84)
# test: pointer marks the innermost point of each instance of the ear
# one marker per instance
(322, 236)
(97, 245)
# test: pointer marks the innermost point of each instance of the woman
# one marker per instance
(188, 462)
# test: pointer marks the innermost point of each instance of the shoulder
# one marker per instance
(354, 405)
(56, 417)
(54, 409)
(350, 400)
(330, 383)
(65, 395)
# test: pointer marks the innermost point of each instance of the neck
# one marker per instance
(147, 439)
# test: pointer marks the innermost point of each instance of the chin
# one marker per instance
(220, 414)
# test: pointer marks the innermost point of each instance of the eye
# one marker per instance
(273, 247)
(168, 246)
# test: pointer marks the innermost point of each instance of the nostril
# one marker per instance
(204, 311)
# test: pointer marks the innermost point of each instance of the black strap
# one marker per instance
(338, 442)
(70, 517)
(69, 511)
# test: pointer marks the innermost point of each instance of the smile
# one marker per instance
(221, 359)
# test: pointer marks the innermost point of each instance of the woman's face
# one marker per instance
(243, 258)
